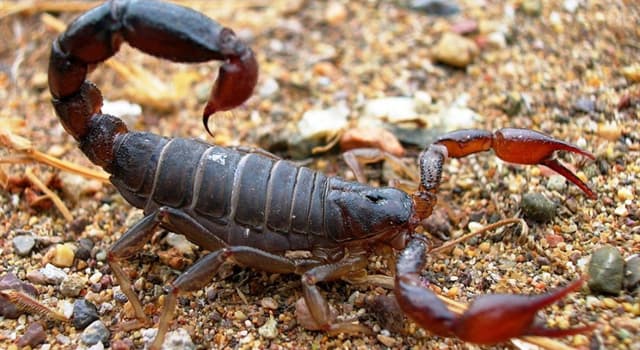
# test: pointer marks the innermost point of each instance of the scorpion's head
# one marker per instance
(376, 214)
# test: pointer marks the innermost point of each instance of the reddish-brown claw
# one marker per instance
(490, 319)
(236, 78)
(511, 315)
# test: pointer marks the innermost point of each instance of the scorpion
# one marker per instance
(251, 208)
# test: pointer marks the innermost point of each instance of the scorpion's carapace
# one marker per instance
(251, 208)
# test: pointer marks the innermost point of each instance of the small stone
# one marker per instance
(621, 210)
(33, 335)
(84, 313)
(239, 315)
(557, 183)
(465, 26)
(269, 303)
(120, 344)
(606, 271)
(610, 131)
(386, 340)
(23, 244)
(178, 340)
(63, 255)
(632, 273)
(455, 50)
(336, 13)
(180, 243)
(571, 5)
(71, 286)
(52, 275)
(537, 207)
(632, 73)
(95, 333)
(531, 7)
(121, 108)
(496, 40)
(85, 245)
(435, 7)
(269, 329)
(268, 88)
(390, 109)
(584, 105)
(625, 193)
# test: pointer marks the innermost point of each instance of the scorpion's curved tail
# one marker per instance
(160, 29)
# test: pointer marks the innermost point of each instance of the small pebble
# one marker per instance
(83, 252)
(11, 281)
(556, 183)
(239, 315)
(23, 244)
(390, 109)
(621, 210)
(632, 73)
(269, 329)
(632, 273)
(180, 243)
(625, 193)
(386, 340)
(120, 344)
(336, 13)
(455, 50)
(268, 88)
(33, 335)
(63, 255)
(537, 207)
(84, 313)
(269, 303)
(178, 340)
(95, 333)
(606, 271)
(71, 286)
(531, 7)
(584, 105)
(435, 7)
(52, 275)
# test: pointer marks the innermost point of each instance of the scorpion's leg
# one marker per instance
(520, 146)
(490, 319)
(127, 246)
(318, 306)
(203, 271)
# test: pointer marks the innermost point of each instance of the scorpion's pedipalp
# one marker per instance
(520, 146)
(490, 319)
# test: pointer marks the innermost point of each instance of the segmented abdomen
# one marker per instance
(242, 198)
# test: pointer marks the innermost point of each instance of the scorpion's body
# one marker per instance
(258, 201)
(251, 208)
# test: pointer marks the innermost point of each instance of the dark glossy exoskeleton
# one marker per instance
(251, 207)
